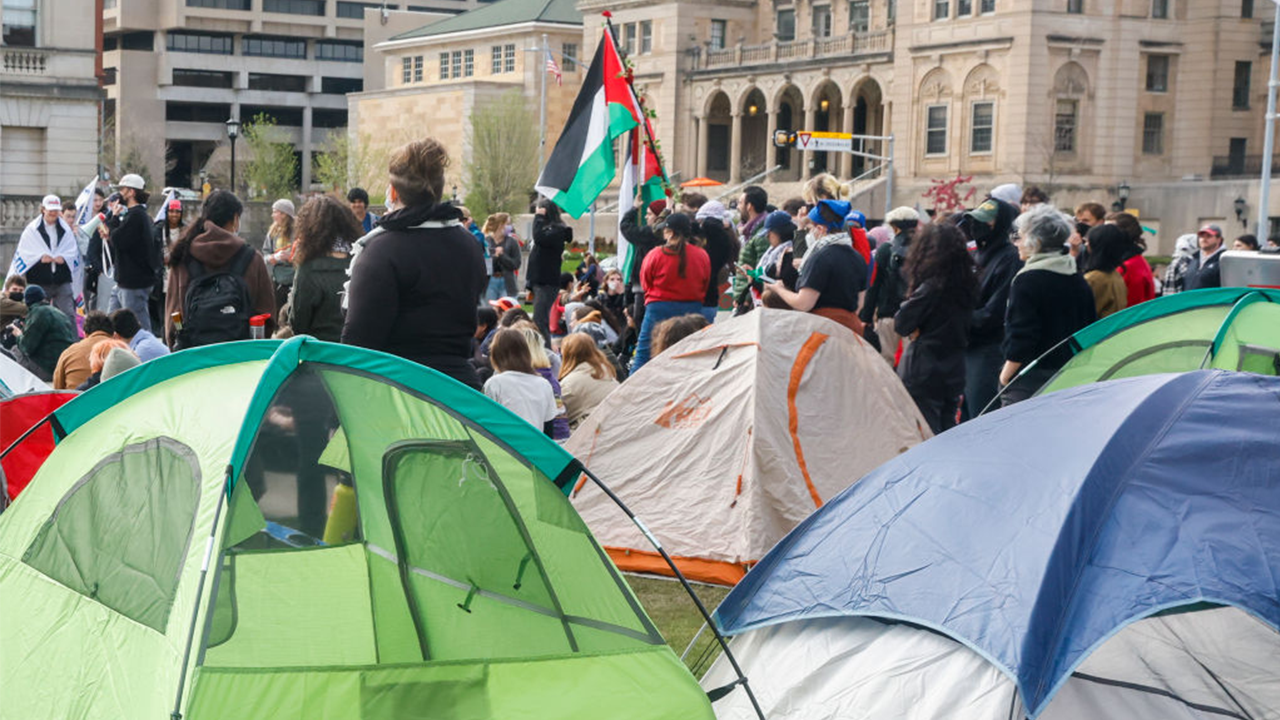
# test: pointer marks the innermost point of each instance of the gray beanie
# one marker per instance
(284, 206)
(118, 360)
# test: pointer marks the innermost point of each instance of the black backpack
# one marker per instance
(217, 306)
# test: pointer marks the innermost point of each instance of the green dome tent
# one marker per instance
(162, 562)
(1233, 328)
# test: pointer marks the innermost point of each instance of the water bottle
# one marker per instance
(258, 326)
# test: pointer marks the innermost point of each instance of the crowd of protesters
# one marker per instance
(972, 309)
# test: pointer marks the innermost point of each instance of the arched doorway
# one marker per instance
(868, 119)
(755, 134)
(827, 112)
(790, 106)
(719, 131)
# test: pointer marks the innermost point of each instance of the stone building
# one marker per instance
(438, 75)
(49, 98)
(1078, 96)
(176, 70)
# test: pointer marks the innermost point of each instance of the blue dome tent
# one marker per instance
(1111, 550)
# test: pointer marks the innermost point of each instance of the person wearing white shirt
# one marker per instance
(516, 385)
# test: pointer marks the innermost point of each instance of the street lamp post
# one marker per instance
(233, 132)
(1122, 192)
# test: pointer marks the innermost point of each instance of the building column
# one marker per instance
(807, 157)
(701, 150)
(735, 149)
(846, 162)
(771, 150)
(306, 149)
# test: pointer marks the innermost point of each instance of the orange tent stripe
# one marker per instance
(699, 569)
(806, 354)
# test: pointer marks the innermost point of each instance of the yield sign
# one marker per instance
(802, 140)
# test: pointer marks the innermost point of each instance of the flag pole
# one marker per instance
(542, 123)
(644, 116)
(1264, 191)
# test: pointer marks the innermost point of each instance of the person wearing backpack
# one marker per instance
(217, 281)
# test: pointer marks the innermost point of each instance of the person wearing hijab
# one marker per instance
(1175, 277)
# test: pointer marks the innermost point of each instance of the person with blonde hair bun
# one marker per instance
(416, 277)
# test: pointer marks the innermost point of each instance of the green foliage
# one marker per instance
(271, 167)
(503, 138)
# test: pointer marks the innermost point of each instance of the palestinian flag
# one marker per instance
(582, 164)
(642, 173)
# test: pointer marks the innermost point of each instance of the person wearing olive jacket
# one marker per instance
(322, 252)
(550, 235)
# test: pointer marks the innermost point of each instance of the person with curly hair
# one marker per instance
(322, 251)
(935, 315)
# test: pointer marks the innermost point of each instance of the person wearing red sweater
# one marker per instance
(674, 277)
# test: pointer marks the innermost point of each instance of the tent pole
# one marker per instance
(706, 616)
(5, 453)
(195, 609)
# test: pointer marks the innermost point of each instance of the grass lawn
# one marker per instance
(673, 611)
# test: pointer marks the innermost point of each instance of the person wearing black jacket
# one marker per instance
(936, 316)
(1048, 302)
(550, 235)
(888, 284)
(133, 246)
(416, 277)
(988, 225)
(1203, 270)
(642, 239)
(722, 249)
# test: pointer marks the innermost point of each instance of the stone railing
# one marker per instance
(24, 62)
(18, 210)
(788, 51)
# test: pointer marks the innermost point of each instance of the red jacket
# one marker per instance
(1138, 279)
(660, 275)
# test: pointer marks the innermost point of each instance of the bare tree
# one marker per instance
(503, 139)
(271, 166)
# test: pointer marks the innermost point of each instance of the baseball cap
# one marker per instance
(175, 204)
(986, 212)
(678, 223)
(1211, 229)
(777, 220)
(132, 181)
(504, 304)
(855, 217)
(51, 202)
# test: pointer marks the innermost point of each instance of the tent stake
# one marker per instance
(195, 609)
(706, 616)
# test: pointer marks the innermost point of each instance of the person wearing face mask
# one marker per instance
(211, 246)
(11, 305)
(988, 226)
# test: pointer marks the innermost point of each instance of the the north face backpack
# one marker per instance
(217, 306)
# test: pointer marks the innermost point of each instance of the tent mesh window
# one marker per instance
(361, 498)
(120, 534)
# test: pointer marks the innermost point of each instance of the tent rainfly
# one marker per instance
(1111, 552)
(1231, 328)
(732, 436)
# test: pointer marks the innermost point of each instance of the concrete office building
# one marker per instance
(176, 70)
(49, 97)
(1079, 96)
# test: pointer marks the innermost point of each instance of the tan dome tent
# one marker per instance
(733, 436)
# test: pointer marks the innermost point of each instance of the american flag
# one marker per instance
(552, 67)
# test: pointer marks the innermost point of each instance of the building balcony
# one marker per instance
(1241, 166)
(785, 52)
(43, 65)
